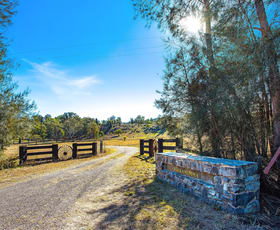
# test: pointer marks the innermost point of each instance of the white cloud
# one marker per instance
(60, 81)
(84, 82)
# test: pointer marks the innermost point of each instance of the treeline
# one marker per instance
(67, 126)
(15, 108)
(221, 84)
(70, 126)
(141, 120)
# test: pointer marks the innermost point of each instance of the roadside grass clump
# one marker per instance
(6, 162)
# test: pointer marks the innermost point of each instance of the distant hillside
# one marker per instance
(134, 130)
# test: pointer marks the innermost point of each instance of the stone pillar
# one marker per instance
(233, 185)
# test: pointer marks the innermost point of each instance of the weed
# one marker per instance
(6, 163)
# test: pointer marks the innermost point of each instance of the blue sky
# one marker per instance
(91, 58)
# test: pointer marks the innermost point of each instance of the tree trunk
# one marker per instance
(199, 141)
(274, 72)
(208, 36)
(214, 137)
(263, 133)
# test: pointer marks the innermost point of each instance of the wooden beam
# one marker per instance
(272, 161)
(40, 147)
(141, 147)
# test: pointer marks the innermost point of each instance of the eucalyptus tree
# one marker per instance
(73, 127)
(39, 129)
(15, 108)
(169, 16)
(258, 42)
(219, 76)
(269, 39)
(54, 128)
(90, 128)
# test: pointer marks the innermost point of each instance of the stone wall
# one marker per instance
(230, 184)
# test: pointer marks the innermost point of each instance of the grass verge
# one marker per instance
(8, 162)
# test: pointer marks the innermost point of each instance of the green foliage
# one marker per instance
(15, 108)
(68, 126)
(6, 163)
(54, 128)
(118, 132)
(139, 119)
(39, 129)
(92, 130)
(217, 84)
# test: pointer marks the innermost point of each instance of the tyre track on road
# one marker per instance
(44, 202)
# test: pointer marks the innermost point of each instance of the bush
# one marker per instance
(6, 163)
(118, 132)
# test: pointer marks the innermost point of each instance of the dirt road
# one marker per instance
(51, 201)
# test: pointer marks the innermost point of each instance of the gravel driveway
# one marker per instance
(45, 202)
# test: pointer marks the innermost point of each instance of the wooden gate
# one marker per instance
(178, 144)
(52, 150)
(151, 146)
(92, 150)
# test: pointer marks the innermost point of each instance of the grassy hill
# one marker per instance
(135, 131)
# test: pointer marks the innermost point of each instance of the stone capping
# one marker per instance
(232, 185)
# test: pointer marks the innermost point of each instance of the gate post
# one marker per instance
(179, 144)
(141, 147)
(74, 154)
(55, 152)
(160, 145)
(151, 147)
(101, 146)
(22, 154)
(94, 148)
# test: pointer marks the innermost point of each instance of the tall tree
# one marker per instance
(271, 55)
(15, 108)
(168, 15)
(54, 128)
(222, 79)
(39, 129)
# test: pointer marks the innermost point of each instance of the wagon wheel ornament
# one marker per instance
(65, 152)
(155, 147)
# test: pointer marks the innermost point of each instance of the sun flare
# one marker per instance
(191, 24)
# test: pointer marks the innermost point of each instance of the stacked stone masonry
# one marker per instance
(231, 185)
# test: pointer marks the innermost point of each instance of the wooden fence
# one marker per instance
(50, 141)
(152, 146)
(92, 149)
(272, 161)
(52, 149)
(178, 144)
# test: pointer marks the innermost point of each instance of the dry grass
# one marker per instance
(22, 173)
(135, 142)
(161, 206)
(10, 158)
(122, 142)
